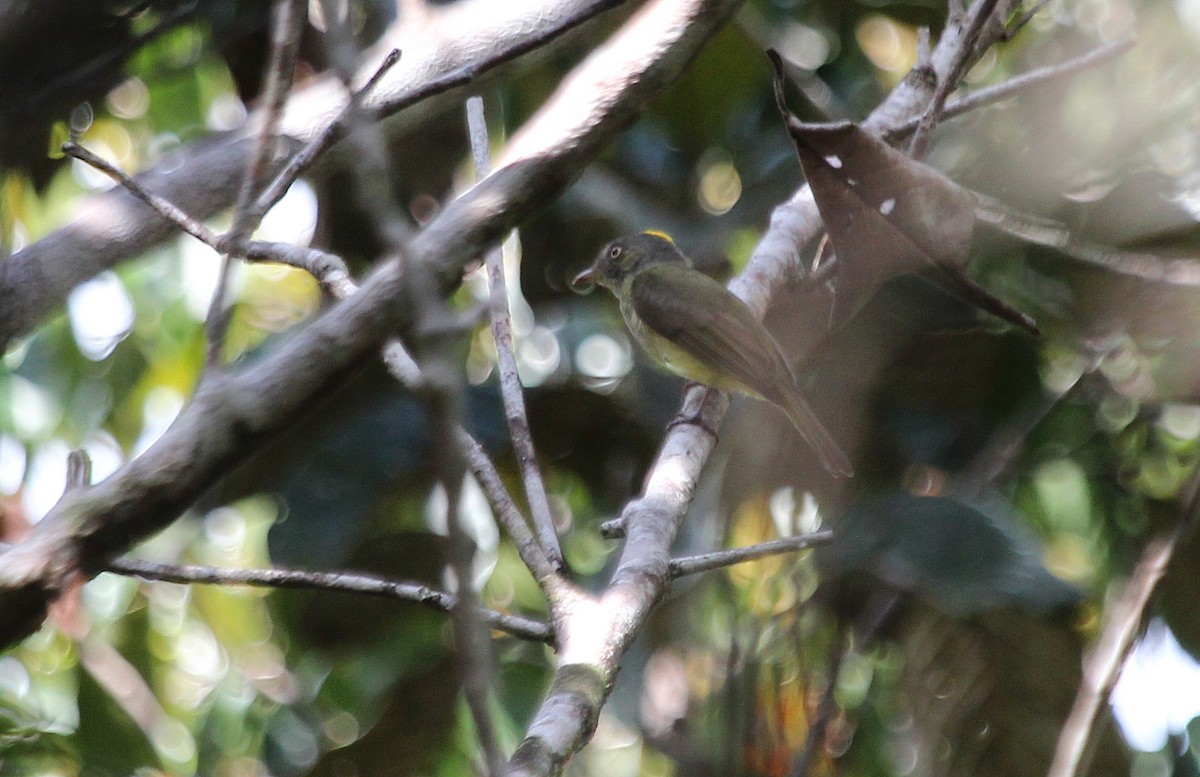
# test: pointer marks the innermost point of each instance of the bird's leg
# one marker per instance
(692, 411)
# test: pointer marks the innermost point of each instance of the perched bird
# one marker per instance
(696, 328)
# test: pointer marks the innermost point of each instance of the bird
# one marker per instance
(693, 326)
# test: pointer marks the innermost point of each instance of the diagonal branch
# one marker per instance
(1124, 621)
(595, 632)
(289, 16)
(347, 582)
(506, 361)
(459, 44)
(234, 413)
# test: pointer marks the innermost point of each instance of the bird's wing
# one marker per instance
(694, 312)
(701, 318)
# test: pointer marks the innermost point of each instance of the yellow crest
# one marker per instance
(657, 233)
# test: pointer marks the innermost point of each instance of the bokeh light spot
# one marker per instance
(101, 315)
(890, 45)
(600, 356)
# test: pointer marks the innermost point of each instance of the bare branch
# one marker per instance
(79, 469)
(506, 361)
(474, 650)
(204, 178)
(1124, 620)
(299, 164)
(980, 13)
(329, 269)
(348, 582)
(506, 511)
(1052, 234)
(285, 42)
(163, 206)
(1022, 83)
(704, 562)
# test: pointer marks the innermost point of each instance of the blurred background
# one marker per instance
(1006, 483)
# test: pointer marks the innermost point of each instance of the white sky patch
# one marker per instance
(46, 479)
(159, 411)
(475, 517)
(35, 411)
(201, 269)
(887, 206)
(105, 452)
(12, 464)
(101, 315)
(834, 161)
(293, 219)
(1158, 691)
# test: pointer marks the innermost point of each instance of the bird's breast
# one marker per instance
(675, 359)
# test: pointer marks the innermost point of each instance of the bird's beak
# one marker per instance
(585, 281)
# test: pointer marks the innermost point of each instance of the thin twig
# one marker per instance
(79, 469)
(348, 582)
(1018, 84)
(334, 131)
(160, 205)
(1026, 16)
(963, 58)
(369, 159)
(506, 361)
(329, 269)
(474, 649)
(704, 562)
(1055, 235)
(506, 511)
(444, 388)
(1103, 664)
(285, 42)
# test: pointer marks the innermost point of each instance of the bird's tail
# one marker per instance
(801, 414)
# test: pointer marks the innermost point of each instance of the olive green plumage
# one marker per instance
(695, 327)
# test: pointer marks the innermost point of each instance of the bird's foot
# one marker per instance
(692, 413)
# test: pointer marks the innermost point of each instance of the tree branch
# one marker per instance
(705, 562)
(595, 632)
(1125, 617)
(232, 414)
(346, 582)
(112, 227)
(288, 17)
(506, 361)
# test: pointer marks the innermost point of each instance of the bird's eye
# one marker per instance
(614, 252)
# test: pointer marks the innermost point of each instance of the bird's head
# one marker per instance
(625, 256)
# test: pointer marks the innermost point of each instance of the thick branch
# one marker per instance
(232, 414)
(593, 633)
